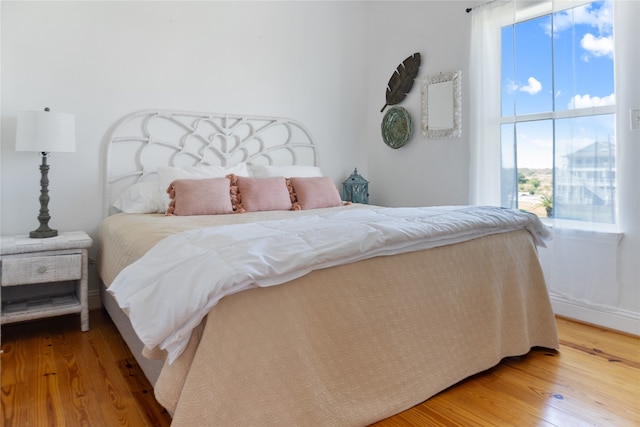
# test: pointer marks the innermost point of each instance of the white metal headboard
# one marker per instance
(140, 142)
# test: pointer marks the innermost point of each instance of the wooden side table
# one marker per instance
(26, 261)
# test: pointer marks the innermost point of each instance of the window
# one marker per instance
(558, 146)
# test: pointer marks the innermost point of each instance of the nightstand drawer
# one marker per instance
(28, 270)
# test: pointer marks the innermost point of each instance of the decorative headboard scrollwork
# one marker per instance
(140, 142)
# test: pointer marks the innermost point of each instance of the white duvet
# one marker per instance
(172, 287)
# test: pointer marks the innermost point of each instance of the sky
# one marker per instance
(572, 67)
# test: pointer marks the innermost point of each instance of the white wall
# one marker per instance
(102, 60)
(595, 276)
(324, 63)
(423, 172)
(627, 98)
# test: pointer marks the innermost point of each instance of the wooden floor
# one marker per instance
(55, 375)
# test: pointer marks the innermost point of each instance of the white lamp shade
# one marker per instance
(45, 131)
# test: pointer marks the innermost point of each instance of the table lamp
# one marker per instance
(45, 132)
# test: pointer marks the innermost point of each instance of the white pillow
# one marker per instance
(168, 174)
(141, 197)
(267, 171)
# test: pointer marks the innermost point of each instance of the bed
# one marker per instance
(331, 335)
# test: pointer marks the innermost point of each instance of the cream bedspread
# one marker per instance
(355, 343)
(186, 274)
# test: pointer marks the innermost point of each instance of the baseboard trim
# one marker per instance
(620, 320)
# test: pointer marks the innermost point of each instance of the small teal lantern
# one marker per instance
(356, 188)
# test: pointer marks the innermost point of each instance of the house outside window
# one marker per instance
(558, 145)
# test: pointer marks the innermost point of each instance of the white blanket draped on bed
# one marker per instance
(172, 287)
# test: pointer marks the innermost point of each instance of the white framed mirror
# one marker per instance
(442, 105)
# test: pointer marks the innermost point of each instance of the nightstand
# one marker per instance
(25, 261)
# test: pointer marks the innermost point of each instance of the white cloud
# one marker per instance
(511, 86)
(533, 86)
(602, 18)
(586, 101)
(597, 46)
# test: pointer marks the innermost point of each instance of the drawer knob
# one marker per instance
(42, 269)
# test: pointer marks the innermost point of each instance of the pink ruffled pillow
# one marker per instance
(295, 206)
(236, 203)
(200, 197)
(315, 192)
(263, 194)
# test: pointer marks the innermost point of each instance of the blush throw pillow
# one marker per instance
(200, 197)
(316, 192)
(263, 194)
(168, 174)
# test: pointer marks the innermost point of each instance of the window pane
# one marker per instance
(583, 56)
(527, 166)
(508, 72)
(526, 77)
(585, 169)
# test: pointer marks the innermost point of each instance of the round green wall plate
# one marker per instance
(397, 127)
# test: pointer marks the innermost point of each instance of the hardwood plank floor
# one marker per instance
(54, 375)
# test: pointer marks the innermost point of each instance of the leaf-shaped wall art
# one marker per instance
(402, 79)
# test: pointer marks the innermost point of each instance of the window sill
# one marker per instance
(584, 229)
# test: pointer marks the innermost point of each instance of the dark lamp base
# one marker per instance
(41, 234)
(44, 231)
